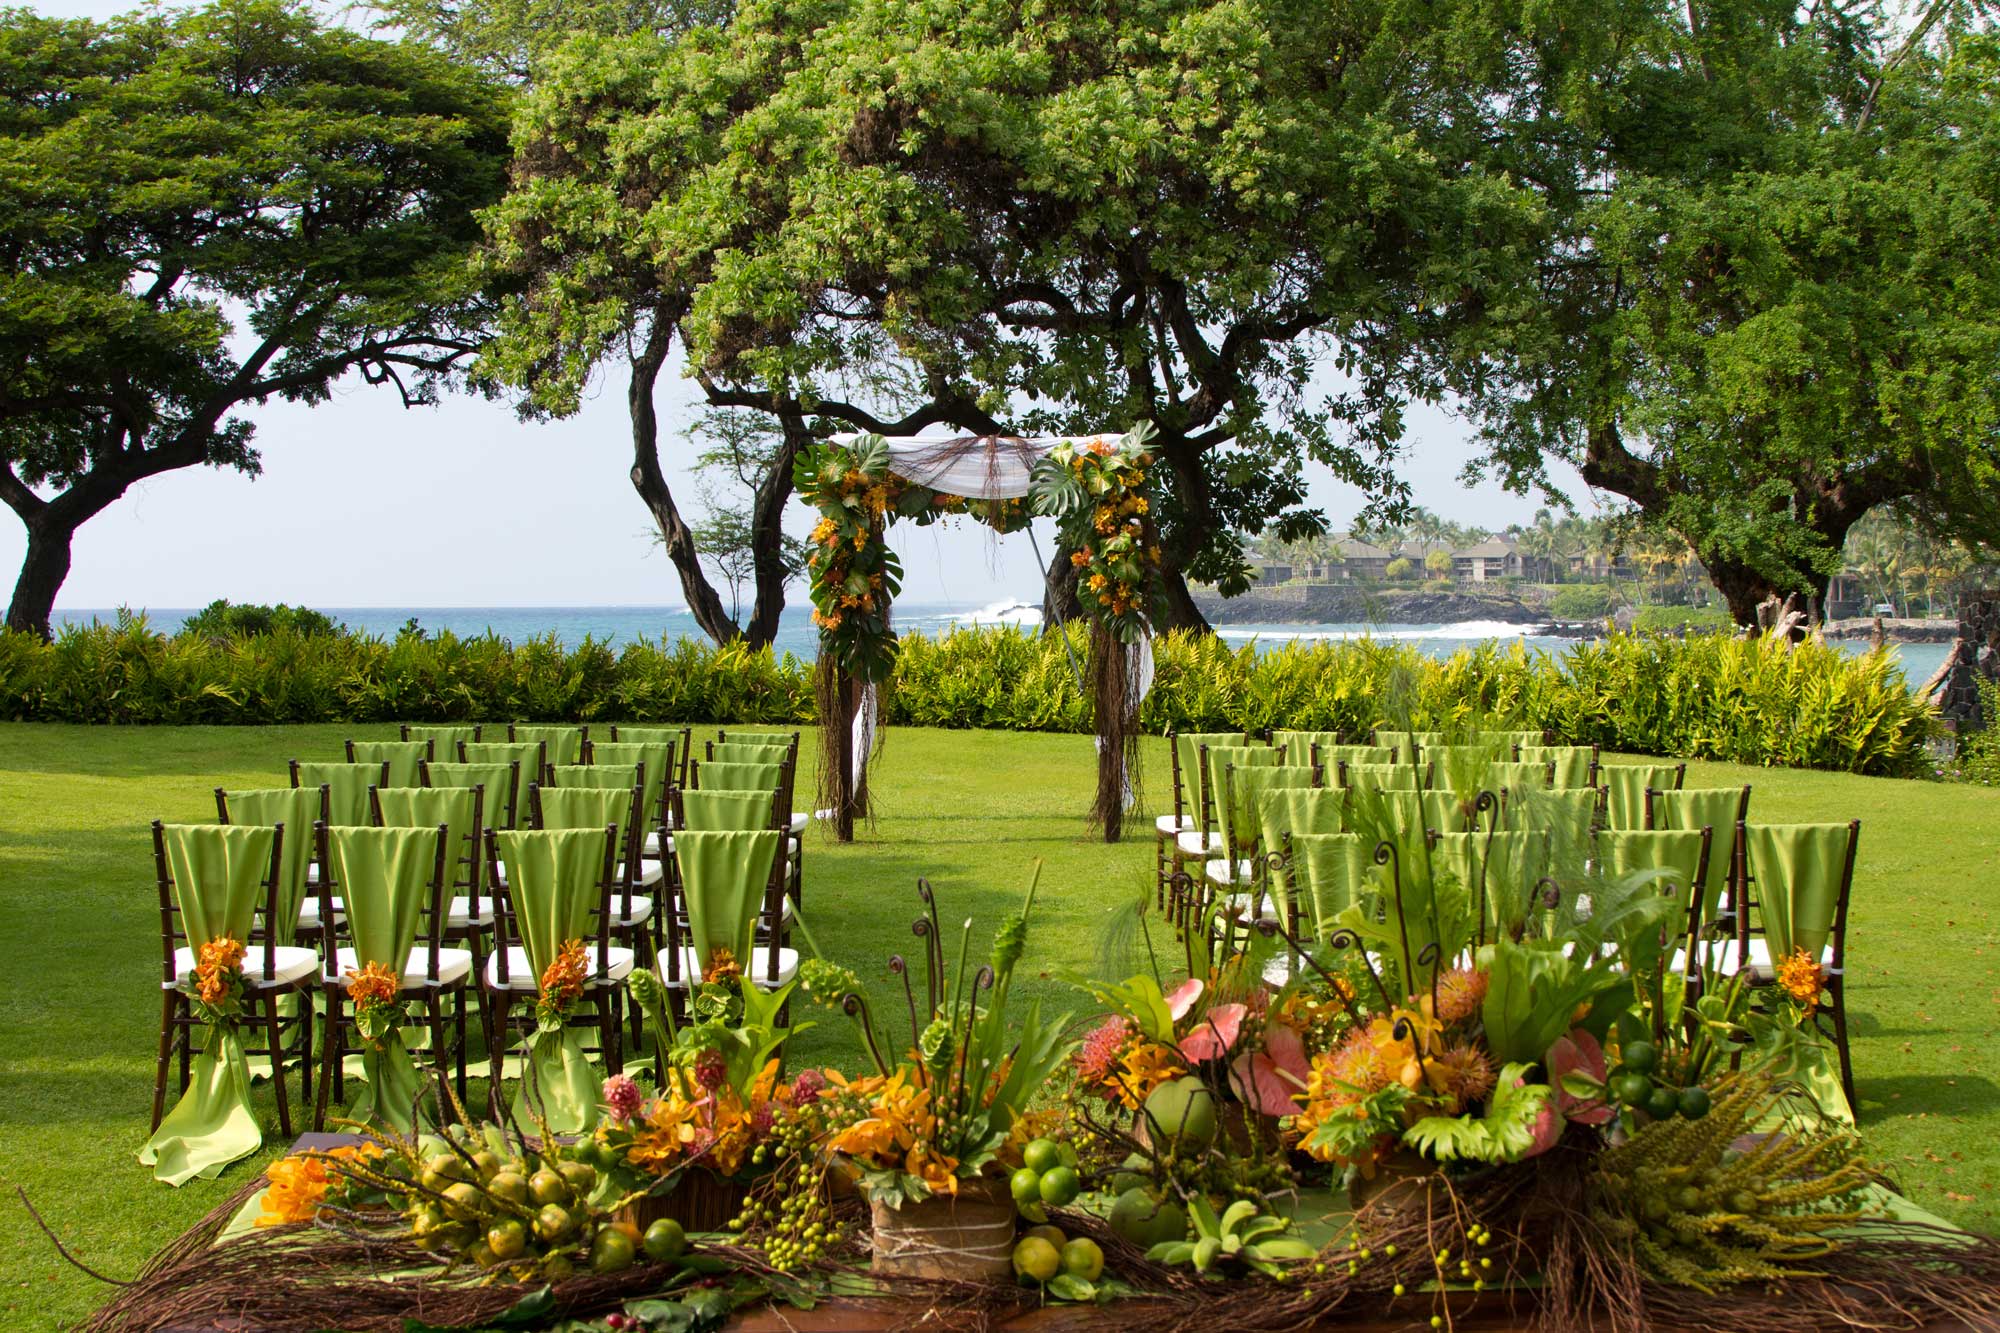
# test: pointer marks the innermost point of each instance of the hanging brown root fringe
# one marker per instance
(1901, 1276)
(1114, 704)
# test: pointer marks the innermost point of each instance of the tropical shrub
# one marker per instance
(1681, 620)
(1582, 601)
(1704, 696)
(222, 618)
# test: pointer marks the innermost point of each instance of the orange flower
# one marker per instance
(218, 969)
(722, 967)
(562, 981)
(1080, 558)
(1144, 1067)
(299, 1184)
(1802, 977)
(375, 983)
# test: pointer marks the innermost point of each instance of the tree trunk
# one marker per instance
(1743, 589)
(42, 573)
(651, 482)
(767, 532)
(1060, 604)
(1181, 611)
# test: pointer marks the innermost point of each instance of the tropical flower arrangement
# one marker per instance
(302, 1183)
(215, 987)
(1097, 491)
(375, 991)
(561, 985)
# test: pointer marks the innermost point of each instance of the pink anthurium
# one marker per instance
(1578, 1053)
(1548, 1130)
(1287, 1050)
(1182, 999)
(1263, 1085)
(1214, 1034)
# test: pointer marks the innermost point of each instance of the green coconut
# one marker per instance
(1141, 1218)
(1182, 1111)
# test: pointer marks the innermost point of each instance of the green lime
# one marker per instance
(1053, 1235)
(1694, 1102)
(611, 1252)
(1036, 1260)
(507, 1239)
(1060, 1186)
(1641, 1056)
(1661, 1103)
(1632, 1089)
(1082, 1258)
(1026, 1187)
(1041, 1155)
(665, 1241)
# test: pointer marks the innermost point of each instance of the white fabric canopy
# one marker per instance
(978, 467)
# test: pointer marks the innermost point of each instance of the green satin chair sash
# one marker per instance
(587, 807)
(1797, 871)
(1383, 777)
(716, 809)
(218, 873)
(1625, 790)
(460, 810)
(497, 779)
(444, 739)
(1187, 752)
(625, 776)
(724, 877)
(386, 879)
(1717, 808)
(297, 808)
(347, 788)
(1446, 812)
(1572, 762)
(564, 744)
(739, 776)
(1512, 863)
(749, 752)
(528, 754)
(555, 884)
(655, 757)
(1624, 852)
(402, 758)
(1243, 788)
(1512, 776)
(1335, 871)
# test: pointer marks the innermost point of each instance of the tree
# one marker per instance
(740, 447)
(1772, 301)
(508, 37)
(1437, 563)
(1399, 568)
(1060, 219)
(202, 212)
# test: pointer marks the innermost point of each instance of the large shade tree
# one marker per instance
(1052, 217)
(202, 212)
(1774, 300)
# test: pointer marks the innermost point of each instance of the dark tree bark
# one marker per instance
(42, 575)
(767, 524)
(1060, 604)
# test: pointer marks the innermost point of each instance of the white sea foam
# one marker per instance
(1465, 629)
(1001, 613)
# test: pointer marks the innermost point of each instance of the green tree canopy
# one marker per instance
(204, 211)
(1057, 216)
(1774, 301)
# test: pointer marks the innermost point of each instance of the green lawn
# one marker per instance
(79, 933)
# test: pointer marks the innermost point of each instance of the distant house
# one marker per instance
(1357, 559)
(1272, 571)
(1494, 558)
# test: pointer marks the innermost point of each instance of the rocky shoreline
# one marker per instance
(1349, 604)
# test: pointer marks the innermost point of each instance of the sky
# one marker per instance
(364, 503)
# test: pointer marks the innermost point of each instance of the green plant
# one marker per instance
(1582, 601)
(1681, 620)
(221, 619)
(1240, 1234)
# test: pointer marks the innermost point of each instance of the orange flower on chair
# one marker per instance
(374, 990)
(1802, 978)
(562, 983)
(722, 967)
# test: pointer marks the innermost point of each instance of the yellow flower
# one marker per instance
(1097, 582)
(1802, 977)
(300, 1183)
(824, 532)
(1144, 1067)
(218, 969)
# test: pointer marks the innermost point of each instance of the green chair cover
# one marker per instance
(1572, 762)
(1799, 871)
(564, 744)
(402, 757)
(458, 810)
(1512, 776)
(1187, 752)
(444, 740)
(386, 883)
(1377, 813)
(1336, 871)
(1513, 862)
(1625, 790)
(556, 887)
(1402, 742)
(1622, 852)
(1242, 791)
(675, 736)
(724, 876)
(347, 788)
(587, 807)
(717, 810)
(497, 779)
(1509, 739)
(740, 776)
(528, 754)
(749, 752)
(655, 757)
(298, 809)
(1720, 809)
(1471, 759)
(623, 776)
(1332, 756)
(218, 873)
(1566, 813)
(1288, 811)
(1445, 811)
(1383, 777)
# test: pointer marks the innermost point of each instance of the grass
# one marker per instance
(971, 811)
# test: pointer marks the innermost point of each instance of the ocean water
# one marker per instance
(619, 625)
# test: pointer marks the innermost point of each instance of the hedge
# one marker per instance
(1704, 696)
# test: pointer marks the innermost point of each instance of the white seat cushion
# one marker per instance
(1219, 872)
(462, 913)
(649, 875)
(293, 963)
(641, 910)
(1237, 906)
(759, 969)
(1721, 954)
(1168, 826)
(614, 967)
(800, 819)
(1194, 842)
(453, 965)
(309, 912)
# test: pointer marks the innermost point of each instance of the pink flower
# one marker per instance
(1097, 1056)
(622, 1096)
(1548, 1129)
(1214, 1034)
(1578, 1052)
(1181, 1000)
(807, 1087)
(1269, 1081)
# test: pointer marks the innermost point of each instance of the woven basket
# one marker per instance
(702, 1201)
(967, 1238)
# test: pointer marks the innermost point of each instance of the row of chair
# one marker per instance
(659, 883)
